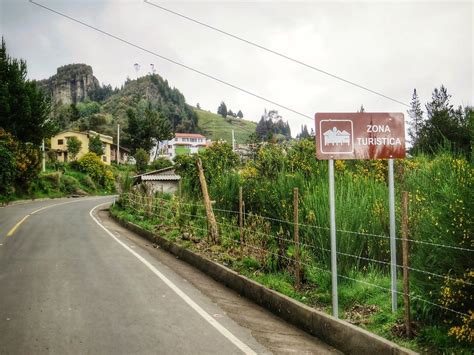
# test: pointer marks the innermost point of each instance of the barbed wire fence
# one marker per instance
(261, 242)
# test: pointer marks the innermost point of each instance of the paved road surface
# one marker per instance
(71, 286)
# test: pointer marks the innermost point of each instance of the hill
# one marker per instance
(217, 127)
(80, 102)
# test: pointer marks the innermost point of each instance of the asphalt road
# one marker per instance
(72, 284)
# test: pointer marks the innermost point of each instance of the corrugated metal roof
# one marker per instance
(160, 177)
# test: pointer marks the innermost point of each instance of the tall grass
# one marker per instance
(440, 213)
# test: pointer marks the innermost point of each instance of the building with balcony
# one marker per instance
(182, 143)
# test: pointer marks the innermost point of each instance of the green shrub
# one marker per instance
(142, 158)
(108, 181)
(88, 182)
(91, 164)
(54, 178)
(7, 169)
(160, 163)
(441, 212)
(69, 184)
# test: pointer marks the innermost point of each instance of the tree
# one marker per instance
(7, 163)
(362, 109)
(304, 132)
(230, 113)
(95, 145)
(24, 110)
(270, 124)
(240, 114)
(73, 147)
(444, 125)
(416, 114)
(222, 109)
(147, 128)
(141, 158)
(198, 106)
(75, 115)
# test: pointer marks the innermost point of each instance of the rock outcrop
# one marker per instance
(72, 83)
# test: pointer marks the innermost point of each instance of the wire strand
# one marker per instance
(171, 60)
(444, 277)
(250, 214)
(294, 60)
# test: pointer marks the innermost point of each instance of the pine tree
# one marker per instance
(222, 109)
(304, 132)
(24, 110)
(416, 114)
(444, 126)
(240, 114)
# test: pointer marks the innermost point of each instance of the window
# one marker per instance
(60, 141)
(104, 158)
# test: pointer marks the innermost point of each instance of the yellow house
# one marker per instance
(59, 144)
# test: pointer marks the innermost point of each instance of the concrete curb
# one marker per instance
(340, 334)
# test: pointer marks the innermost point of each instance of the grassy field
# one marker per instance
(216, 127)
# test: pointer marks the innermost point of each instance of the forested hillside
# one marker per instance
(78, 105)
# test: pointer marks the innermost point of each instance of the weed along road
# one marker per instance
(73, 282)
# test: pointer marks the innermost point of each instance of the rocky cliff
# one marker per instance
(72, 83)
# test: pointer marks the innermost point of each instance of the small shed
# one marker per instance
(163, 180)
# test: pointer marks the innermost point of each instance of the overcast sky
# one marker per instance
(391, 47)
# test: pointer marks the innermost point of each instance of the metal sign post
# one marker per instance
(376, 135)
(393, 244)
(332, 217)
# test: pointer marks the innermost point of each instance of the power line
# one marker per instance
(309, 66)
(170, 60)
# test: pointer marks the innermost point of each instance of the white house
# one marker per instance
(183, 143)
(335, 136)
(163, 180)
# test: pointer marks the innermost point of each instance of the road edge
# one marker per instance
(340, 334)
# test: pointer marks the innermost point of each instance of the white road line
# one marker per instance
(18, 224)
(221, 329)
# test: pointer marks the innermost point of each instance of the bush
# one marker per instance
(89, 183)
(7, 169)
(142, 158)
(69, 184)
(441, 200)
(26, 159)
(92, 165)
(53, 178)
(160, 163)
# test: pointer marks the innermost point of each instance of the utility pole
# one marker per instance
(118, 144)
(44, 156)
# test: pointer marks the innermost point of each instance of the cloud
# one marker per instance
(389, 47)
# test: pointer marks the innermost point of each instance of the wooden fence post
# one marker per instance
(211, 219)
(406, 282)
(297, 240)
(241, 221)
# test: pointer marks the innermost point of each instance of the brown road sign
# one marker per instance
(366, 135)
